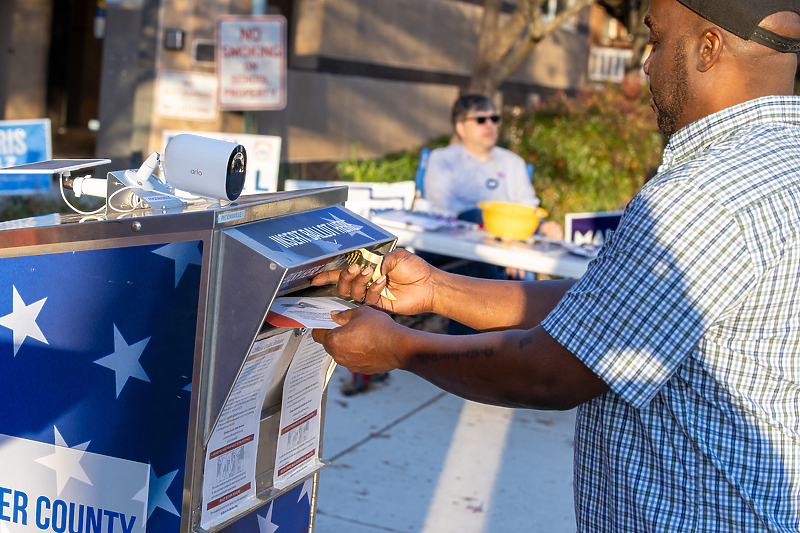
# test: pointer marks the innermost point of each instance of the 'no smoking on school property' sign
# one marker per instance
(251, 62)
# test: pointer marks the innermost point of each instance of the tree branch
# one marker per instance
(537, 30)
(490, 23)
(641, 37)
(514, 28)
(501, 51)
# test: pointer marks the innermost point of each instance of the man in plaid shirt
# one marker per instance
(681, 343)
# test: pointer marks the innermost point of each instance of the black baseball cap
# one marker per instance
(742, 18)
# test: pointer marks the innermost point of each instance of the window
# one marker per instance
(551, 7)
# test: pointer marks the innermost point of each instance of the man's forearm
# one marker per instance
(494, 304)
(515, 368)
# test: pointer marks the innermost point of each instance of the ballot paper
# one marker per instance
(230, 463)
(297, 454)
(306, 312)
(365, 258)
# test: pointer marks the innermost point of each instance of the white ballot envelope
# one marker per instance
(306, 312)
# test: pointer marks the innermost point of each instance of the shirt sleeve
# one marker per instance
(440, 181)
(676, 264)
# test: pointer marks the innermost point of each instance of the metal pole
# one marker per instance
(258, 7)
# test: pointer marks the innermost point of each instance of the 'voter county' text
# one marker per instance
(60, 516)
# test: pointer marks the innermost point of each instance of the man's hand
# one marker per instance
(367, 341)
(408, 277)
(552, 229)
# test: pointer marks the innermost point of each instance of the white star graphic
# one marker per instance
(265, 525)
(66, 461)
(183, 253)
(22, 321)
(125, 360)
(356, 230)
(157, 496)
(328, 247)
(291, 256)
(141, 496)
(307, 486)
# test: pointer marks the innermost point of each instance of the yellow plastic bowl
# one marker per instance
(511, 221)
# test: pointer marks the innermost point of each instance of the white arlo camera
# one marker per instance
(205, 167)
(192, 165)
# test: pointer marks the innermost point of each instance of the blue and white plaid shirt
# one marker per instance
(691, 314)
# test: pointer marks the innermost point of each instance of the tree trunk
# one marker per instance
(641, 37)
(487, 42)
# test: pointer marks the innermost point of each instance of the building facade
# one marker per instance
(377, 75)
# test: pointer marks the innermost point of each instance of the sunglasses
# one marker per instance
(481, 120)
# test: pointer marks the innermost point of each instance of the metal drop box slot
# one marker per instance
(121, 339)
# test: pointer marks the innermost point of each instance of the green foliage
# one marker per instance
(592, 152)
(17, 207)
(398, 166)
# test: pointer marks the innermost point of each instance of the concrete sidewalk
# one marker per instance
(407, 457)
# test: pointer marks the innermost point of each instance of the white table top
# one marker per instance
(478, 245)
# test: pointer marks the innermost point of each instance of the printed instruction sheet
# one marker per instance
(298, 438)
(230, 463)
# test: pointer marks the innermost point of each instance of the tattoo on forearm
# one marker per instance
(455, 356)
(525, 341)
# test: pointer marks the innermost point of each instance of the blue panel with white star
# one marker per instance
(96, 353)
(288, 513)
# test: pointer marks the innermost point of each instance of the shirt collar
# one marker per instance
(469, 155)
(702, 134)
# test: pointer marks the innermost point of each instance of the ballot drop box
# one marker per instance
(142, 389)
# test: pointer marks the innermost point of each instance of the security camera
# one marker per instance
(192, 166)
(205, 167)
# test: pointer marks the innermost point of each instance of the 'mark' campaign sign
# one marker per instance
(21, 142)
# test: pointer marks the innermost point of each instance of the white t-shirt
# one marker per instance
(456, 180)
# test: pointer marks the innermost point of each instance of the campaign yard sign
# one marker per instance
(21, 142)
(251, 62)
(591, 228)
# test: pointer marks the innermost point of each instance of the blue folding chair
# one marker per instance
(419, 178)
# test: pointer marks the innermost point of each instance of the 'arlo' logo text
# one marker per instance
(196, 171)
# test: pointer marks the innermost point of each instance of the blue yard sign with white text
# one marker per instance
(21, 142)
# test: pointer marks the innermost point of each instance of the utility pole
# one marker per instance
(258, 7)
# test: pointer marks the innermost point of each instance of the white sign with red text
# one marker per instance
(229, 476)
(297, 453)
(186, 95)
(251, 62)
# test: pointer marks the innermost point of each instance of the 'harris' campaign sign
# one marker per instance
(21, 142)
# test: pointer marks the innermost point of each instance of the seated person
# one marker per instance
(475, 170)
